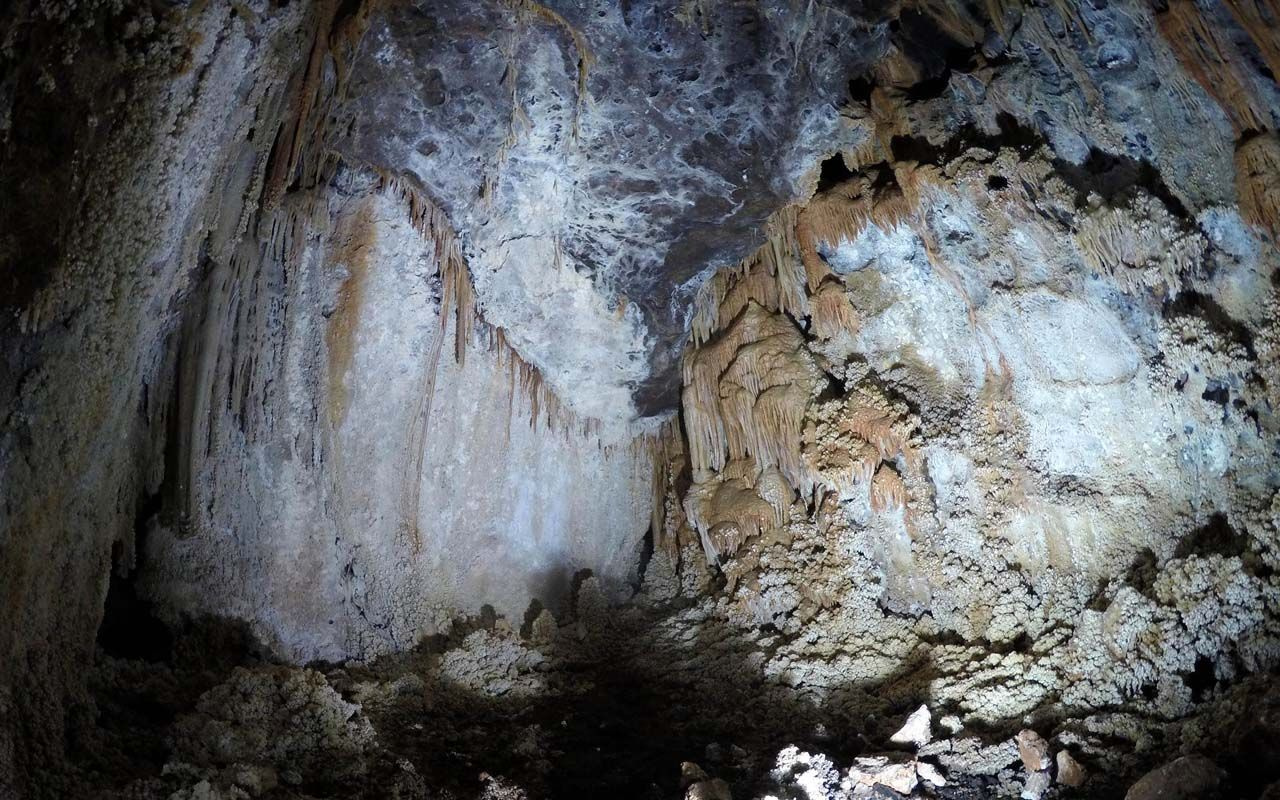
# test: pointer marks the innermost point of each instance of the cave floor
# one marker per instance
(576, 711)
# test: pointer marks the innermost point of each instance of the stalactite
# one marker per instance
(1261, 20)
(888, 492)
(831, 312)
(843, 212)
(739, 506)
(748, 379)
(952, 18)
(878, 427)
(1142, 245)
(889, 116)
(585, 58)
(1257, 163)
(1037, 34)
(298, 149)
(458, 303)
(1215, 63)
(758, 351)
(897, 69)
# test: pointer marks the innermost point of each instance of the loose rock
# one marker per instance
(1187, 778)
(1033, 750)
(917, 730)
(1070, 773)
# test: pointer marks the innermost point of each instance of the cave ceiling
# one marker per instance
(633, 146)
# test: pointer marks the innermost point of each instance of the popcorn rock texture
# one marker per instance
(509, 399)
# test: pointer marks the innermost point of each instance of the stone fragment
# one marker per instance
(1186, 778)
(1033, 750)
(918, 729)
(1070, 773)
(691, 773)
(1037, 784)
(715, 789)
(871, 771)
(930, 774)
(899, 777)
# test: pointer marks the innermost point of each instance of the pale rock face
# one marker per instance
(382, 328)
(917, 730)
(426, 487)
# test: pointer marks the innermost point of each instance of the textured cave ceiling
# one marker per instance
(857, 399)
(634, 146)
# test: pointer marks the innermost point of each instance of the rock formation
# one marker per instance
(659, 398)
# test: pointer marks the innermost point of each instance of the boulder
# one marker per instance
(1186, 778)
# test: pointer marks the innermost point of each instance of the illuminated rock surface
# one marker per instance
(504, 399)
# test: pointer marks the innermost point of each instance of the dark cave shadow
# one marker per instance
(628, 705)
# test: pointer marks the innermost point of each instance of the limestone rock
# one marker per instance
(1070, 772)
(917, 730)
(1036, 785)
(871, 771)
(1034, 751)
(930, 774)
(1187, 778)
(797, 773)
(714, 789)
(284, 718)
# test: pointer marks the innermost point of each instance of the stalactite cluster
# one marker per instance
(514, 399)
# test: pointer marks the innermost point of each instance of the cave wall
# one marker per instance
(291, 353)
(990, 421)
(358, 478)
(121, 142)
(637, 145)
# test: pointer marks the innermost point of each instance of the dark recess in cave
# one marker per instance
(833, 173)
(129, 627)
